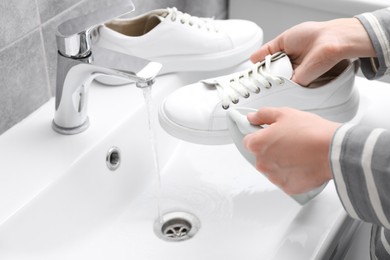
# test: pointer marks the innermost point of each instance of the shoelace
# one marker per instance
(184, 18)
(247, 82)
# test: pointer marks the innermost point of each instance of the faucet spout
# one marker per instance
(131, 68)
(75, 75)
(79, 61)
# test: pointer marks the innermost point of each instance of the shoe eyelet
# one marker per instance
(247, 95)
(225, 107)
(269, 86)
(182, 21)
(235, 101)
(257, 91)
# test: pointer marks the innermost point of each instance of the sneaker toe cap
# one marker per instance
(191, 107)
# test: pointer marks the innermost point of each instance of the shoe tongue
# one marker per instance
(281, 66)
(153, 20)
(162, 14)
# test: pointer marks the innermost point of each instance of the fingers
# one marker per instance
(260, 140)
(267, 49)
(266, 115)
(309, 70)
(303, 76)
(314, 64)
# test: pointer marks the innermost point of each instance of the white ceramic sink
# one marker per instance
(60, 201)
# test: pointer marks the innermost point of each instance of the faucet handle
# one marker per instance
(74, 35)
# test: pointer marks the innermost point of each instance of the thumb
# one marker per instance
(266, 115)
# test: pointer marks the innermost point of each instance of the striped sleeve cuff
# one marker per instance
(379, 244)
(360, 163)
(377, 25)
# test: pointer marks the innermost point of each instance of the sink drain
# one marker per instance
(176, 226)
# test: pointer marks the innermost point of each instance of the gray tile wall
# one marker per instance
(28, 49)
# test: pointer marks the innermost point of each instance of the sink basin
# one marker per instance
(61, 201)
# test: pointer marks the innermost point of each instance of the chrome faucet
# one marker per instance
(79, 62)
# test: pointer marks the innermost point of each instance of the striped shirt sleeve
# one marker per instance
(377, 25)
(360, 156)
(360, 163)
(360, 160)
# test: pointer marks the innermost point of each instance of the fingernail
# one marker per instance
(250, 115)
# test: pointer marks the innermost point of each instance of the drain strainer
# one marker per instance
(176, 226)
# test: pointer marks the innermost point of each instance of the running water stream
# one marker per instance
(147, 92)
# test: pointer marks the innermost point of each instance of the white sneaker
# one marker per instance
(197, 112)
(181, 42)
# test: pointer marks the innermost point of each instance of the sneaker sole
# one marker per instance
(199, 62)
(341, 113)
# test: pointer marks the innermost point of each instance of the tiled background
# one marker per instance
(28, 49)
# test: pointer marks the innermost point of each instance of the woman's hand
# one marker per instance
(293, 150)
(315, 47)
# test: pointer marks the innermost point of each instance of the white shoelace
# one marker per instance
(185, 18)
(247, 82)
